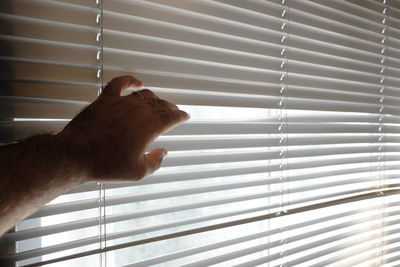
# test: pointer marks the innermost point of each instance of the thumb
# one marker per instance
(153, 160)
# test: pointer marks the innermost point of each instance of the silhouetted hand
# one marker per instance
(108, 139)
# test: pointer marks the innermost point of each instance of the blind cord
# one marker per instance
(381, 130)
(100, 82)
(283, 131)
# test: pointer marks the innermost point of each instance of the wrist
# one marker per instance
(74, 157)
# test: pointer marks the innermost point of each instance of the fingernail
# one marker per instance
(138, 83)
(164, 154)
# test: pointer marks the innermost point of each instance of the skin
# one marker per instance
(105, 142)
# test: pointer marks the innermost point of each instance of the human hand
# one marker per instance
(108, 139)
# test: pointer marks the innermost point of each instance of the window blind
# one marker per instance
(292, 153)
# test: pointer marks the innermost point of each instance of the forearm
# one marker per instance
(33, 172)
(105, 142)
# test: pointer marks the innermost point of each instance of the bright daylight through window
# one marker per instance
(290, 158)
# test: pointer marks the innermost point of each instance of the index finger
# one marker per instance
(118, 84)
(172, 118)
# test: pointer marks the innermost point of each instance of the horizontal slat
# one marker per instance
(198, 84)
(306, 25)
(128, 198)
(183, 207)
(18, 130)
(11, 131)
(52, 229)
(367, 257)
(317, 174)
(207, 128)
(46, 50)
(62, 227)
(178, 176)
(307, 47)
(394, 257)
(332, 31)
(51, 249)
(254, 70)
(82, 54)
(21, 110)
(296, 55)
(86, 3)
(351, 253)
(55, 11)
(121, 43)
(61, 90)
(205, 158)
(113, 57)
(270, 67)
(334, 84)
(18, 107)
(232, 99)
(334, 118)
(314, 15)
(341, 236)
(48, 250)
(189, 66)
(342, 258)
(395, 5)
(123, 199)
(117, 27)
(341, 13)
(341, 246)
(166, 13)
(394, 19)
(50, 71)
(298, 86)
(348, 244)
(373, 7)
(178, 33)
(231, 142)
(222, 244)
(301, 29)
(211, 99)
(52, 210)
(48, 30)
(92, 203)
(115, 23)
(351, 8)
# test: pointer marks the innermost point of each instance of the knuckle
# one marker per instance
(116, 79)
(147, 91)
(163, 102)
(166, 105)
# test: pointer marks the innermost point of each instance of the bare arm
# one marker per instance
(105, 142)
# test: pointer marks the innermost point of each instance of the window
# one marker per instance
(292, 153)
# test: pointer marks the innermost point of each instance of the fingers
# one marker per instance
(152, 162)
(144, 94)
(118, 84)
(172, 118)
(168, 112)
(161, 105)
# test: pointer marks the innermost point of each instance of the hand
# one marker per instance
(108, 139)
